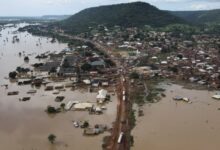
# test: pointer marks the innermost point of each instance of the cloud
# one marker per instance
(213, 0)
(205, 5)
(58, 2)
(199, 6)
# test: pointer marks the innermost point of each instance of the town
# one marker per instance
(115, 77)
(94, 61)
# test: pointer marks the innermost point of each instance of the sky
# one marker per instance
(68, 7)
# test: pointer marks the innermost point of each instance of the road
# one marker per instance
(121, 124)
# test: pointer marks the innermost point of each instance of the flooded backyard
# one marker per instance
(172, 125)
(26, 125)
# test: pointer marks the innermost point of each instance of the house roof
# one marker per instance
(67, 70)
(98, 63)
(83, 105)
(102, 94)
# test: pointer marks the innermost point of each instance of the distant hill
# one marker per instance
(135, 14)
(199, 17)
(55, 17)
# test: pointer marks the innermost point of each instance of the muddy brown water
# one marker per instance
(171, 125)
(26, 125)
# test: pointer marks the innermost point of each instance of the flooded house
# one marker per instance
(83, 106)
(68, 66)
(69, 71)
(102, 95)
(70, 104)
(50, 66)
(97, 63)
(95, 82)
(90, 131)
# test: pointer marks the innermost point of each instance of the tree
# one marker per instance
(62, 105)
(36, 65)
(51, 110)
(26, 58)
(22, 70)
(88, 54)
(66, 63)
(12, 75)
(134, 75)
(86, 124)
(173, 69)
(180, 56)
(86, 67)
(53, 70)
(51, 138)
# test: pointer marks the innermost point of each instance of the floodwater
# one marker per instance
(171, 125)
(26, 125)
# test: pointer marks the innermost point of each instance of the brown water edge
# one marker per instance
(26, 125)
(171, 125)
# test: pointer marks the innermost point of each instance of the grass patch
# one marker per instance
(132, 119)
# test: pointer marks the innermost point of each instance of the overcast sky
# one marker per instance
(60, 7)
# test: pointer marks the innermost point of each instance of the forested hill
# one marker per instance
(135, 14)
(199, 17)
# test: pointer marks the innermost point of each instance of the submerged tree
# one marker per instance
(26, 58)
(51, 110)
(66, 63)
(12, 75)
(62, 105)
(134, 75)
(86, 67)
(51, 138)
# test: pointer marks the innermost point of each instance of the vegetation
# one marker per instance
(53, 70)
(85, 124)
(66, 64)
(12, 75)
(132, 118)
(51, 110)
(86, 67)
(178, 29)
(36, 65)
(199, 17)
(22, 70)
(137, 14)
(134, 75)
(131, 140)
(51, 138)
(109, 63)
(62, 105)
(26, 58)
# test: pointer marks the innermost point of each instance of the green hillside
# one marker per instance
(199, 17)
(135, 14)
